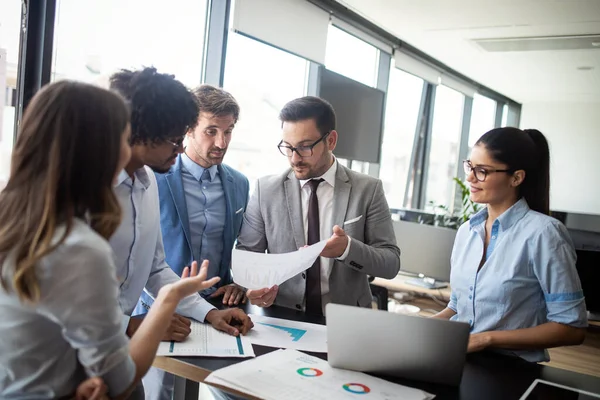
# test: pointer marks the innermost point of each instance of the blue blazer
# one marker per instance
(174, 221)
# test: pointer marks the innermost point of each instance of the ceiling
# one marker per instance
(448, 29)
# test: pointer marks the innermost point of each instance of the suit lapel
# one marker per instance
(229, 191)
(341, 196)
(294, 205)
(175, 182)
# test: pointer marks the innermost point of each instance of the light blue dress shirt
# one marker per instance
(205, 200)
(528, 278)
(138, 246)
(74, 331)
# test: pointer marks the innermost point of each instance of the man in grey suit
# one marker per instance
(317, 199)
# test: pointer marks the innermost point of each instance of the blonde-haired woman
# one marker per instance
(60, 320)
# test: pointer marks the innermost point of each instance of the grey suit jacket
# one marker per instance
(273, 223)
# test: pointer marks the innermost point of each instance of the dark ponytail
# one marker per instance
(526, 150)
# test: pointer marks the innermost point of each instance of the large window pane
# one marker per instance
(349, 56)
(483, 117)
(445, 138)
(95, 38)
(401, 116)
(262, 79)
(10, 21)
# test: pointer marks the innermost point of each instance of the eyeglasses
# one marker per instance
(302, 151)
(481, 173)
(176, 144)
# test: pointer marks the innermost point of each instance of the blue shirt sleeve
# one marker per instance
(553, 260)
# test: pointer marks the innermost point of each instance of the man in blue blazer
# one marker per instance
(202, 200)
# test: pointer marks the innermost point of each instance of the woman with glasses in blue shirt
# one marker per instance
(513, 272)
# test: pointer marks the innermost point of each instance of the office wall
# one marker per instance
(573, 130)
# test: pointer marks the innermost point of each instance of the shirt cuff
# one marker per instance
(197, 308)
(345, 254)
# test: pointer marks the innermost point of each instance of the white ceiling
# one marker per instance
(444, 29)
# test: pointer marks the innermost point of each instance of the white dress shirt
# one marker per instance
(326, 204)
(138, 246)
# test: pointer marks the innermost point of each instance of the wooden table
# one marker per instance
(486, 375)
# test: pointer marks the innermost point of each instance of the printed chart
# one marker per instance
(292, 375)
(286, 334)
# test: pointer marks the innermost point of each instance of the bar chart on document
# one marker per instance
(204, 340)
(283, 333)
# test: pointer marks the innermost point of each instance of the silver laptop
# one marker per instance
(411, 347)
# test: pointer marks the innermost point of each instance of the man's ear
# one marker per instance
(332, 140)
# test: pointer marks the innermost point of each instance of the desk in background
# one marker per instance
(486, 375)
(398, 284)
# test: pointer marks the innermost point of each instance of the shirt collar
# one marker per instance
(508, 217)
(197, 170)
(141, 176)
(328, 176)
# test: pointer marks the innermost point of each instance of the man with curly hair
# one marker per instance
(163, 110)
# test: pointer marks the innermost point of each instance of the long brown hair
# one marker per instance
(62, 168)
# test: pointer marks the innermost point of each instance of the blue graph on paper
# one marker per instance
(296, 334)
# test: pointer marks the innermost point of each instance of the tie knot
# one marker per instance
(205, 176)
(314, 184)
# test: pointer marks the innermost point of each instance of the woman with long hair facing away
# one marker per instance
(60, 320)
(513, 275)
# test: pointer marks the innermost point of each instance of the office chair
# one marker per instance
(380, 295)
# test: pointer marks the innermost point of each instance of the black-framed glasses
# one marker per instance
(302, 151)
(481, 173)
(176, 144)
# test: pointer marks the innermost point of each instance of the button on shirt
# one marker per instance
(73, 331)
(138, 246)
(528, 278)
(326, 204)
(205, 200)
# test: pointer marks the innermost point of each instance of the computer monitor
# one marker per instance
(425, 251)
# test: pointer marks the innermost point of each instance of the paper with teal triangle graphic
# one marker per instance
(296, 334)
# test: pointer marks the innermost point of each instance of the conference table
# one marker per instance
(486, 375)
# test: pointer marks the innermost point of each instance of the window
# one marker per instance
(401, 117)
(504, 115)
(445, 138)
(10, 22)
(94, 39)
(262, 79)
(483, 117)
(349, 56)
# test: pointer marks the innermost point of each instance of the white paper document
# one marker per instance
(261, 270)
(204, 340)
(283, 333)
(291, 375)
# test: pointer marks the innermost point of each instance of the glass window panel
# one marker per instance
(401, 116)
(93, 39)
(445, 138)
(483, 117)
(504, 115)
(10, 22)
(262, 79)
(349, 56)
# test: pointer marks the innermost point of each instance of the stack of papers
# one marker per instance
(291, 375)
(263, 270)
(286, 334)
(204, 340)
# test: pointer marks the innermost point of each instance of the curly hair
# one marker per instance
(162, 108)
